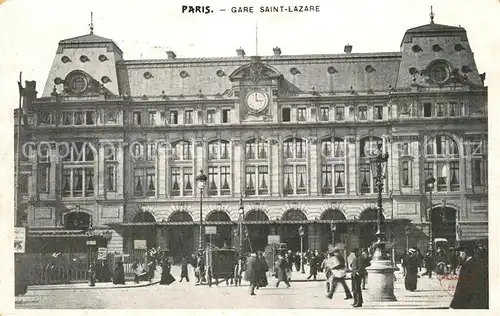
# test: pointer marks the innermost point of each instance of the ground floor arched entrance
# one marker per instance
(147, 231)
(255, 231)
(335, 231)
(294, 219)
(444, 223)
(368, 227)
(181, 234)
(224, 229)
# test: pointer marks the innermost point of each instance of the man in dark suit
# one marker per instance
(471, 291)
(358, 269)
(252, 272)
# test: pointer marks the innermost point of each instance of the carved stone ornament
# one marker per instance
(255, 72)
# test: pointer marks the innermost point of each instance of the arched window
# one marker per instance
(256, 167)
(294, 215)
(182, 150)
(256, 216)
(442, 162)
(77, 220)
(219, 168)
(368, 147)
(180, 216)
(218, 150)
(218, 216)
(295, 177)
(144, 217)
(181, 169)
(369, 214)
(333, 156)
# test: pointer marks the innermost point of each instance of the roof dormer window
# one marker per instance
(84, 59)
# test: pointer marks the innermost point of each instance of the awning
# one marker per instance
(56, 233)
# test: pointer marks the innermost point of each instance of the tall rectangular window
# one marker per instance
(211, 116)
(324, 114)
(250, 148)
(89, 118)
(250, 180)
(339, 113)
(427, 110)
(213, 180)
(362, 113)
(263, 179)
(79, 118)
(364, 173)
(187, 181)
(442, 177)
(173, 118)
(225, 180)
(285, 114)
(454, 176)
(439, 109)
(452, 109)
(151, 181)
(326, 179)
(405, 173)
(77, 182)
(66, 182)
(300, 148)
(150, 151)
(188, 117)
(139, 182)
(339, 178)
(478, 172)
(301, 114)
(89, 181)
(111, 178)
(152, 117)
(378, 112)
(301, 179)
(225, 115)
(175, 174)
(137, 118)
(67, 118)
(24, 184)
(43, 178)
(288, 179)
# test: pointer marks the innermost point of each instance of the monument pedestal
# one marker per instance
(381, 280)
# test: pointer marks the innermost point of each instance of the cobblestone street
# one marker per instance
(301, 295)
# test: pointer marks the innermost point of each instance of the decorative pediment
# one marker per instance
(255, 71)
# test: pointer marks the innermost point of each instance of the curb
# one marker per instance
(48, 287)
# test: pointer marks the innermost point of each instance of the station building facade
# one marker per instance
(115, 145)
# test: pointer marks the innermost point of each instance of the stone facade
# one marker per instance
(286, 134)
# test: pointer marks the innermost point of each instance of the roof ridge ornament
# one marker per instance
(432, 16)
(91, 25)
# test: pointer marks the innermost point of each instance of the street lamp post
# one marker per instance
(429, 186)
(92, 268)
(381, 270)
(201, 181)
(240, 224)
(333, 228)
(301, 233)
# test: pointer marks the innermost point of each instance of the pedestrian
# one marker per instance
(282, 271)
(200, 268)
(453, 259)
(92, 274)
(238, 270)
(403, 259)
(313, 268)
(471, 291)
(366, 258)
(184, 270)
(358, 272)
(327, 272)
(138, 271)
(252, 272)
(264, 267)
(297, 260)
(166, 277)
(412, 271)
(119, 274)
(428, 264)
(337, 265)
(420, 259)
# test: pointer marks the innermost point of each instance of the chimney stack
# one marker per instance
(348, 49)
(171, 54)
(277, 51)
(29, 94)
(241, 52)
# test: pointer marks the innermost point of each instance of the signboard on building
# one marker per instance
(19, 239)
(91, 242)
(140, 244)
(102, 253)
(273, 239)
(210, 230)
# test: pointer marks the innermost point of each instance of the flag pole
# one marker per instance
(18, 152)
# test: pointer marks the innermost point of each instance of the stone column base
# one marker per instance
(381, 281)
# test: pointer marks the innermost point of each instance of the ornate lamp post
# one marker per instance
(333, 228)
(429, 187)
(240, 224)
(381, 270)
(301, 233)
(201, 181)
(91, 242)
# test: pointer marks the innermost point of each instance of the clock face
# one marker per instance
(257, 101)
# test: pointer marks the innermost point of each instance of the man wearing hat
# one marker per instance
(358, 272)
(412, 270)
(471, 291)
(336, 263)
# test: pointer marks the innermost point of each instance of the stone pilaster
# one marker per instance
(101, 170)
(275, 172)
(313, 162)
(162, 170)
(121, 151)
(238, 167)
(352, 166)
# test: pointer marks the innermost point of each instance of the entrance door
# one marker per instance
(181, 240)
(291, 237)
(258, 237)
(444, 223)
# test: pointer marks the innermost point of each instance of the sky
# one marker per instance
(31, 29)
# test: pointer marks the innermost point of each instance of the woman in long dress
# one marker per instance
(411, 271)
(166, 277)
(119, 274)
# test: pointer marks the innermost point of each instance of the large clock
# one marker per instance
(257, 101)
